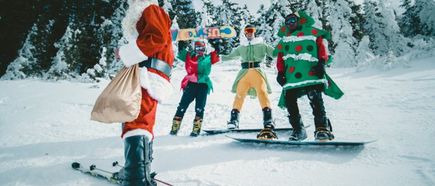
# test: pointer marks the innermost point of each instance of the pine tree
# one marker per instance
(425, 10)
(382, 29)
(344, 44)
(409, 22)
(186, 17)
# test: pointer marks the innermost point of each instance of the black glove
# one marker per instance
(269, 61)
(319, 69)
(280, 78)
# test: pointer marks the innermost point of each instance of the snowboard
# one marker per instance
(221, 131)
(111, 177)
(302, 143)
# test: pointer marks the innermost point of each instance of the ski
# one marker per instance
(111, 177)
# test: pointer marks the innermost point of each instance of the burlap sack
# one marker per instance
(120, 100)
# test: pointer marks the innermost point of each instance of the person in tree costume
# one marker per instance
(251, 80)
(146, 27)
(302, 56)
(196, 84)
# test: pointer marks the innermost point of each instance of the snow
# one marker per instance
(45, 126)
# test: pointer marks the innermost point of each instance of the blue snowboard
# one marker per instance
(221, 131)
(302, 143)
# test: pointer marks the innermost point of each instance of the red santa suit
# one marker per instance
(147, 30)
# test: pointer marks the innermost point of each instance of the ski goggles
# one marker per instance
(291, 20)
(199, 48)
(250, 30)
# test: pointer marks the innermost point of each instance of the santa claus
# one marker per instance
(146, 27)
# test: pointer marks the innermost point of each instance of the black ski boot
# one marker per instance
(176, 123)
(267, 118)
(323, 131)
(323, 125)
(298, 133)
(197, 122)
(138, 157)
(234, 120)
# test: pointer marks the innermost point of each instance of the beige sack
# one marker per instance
(120, 100)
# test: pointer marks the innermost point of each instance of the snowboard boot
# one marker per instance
(323, 131)
(138, 157)
(197, 122)
(234, 120)
(267, 118)
(176, 123)
(298, 133)
(267, 134)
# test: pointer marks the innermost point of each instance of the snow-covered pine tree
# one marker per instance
(229, 14)
(364, 56)
(345, 44)
(381, 26)
(275, 16)
(186, 17)
(409, 22)
(36, 49)
(109, 35)
(425, 11)
(60, 69)
(25, 60)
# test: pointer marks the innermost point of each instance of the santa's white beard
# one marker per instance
(132, 16)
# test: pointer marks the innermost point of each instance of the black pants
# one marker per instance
(316, 102)
(193, 91)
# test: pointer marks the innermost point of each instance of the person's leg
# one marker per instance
(294, 116)
(241, 92)
(323, 126)
(186, 99)
(259, 84)
(137, 136)
(200, 102)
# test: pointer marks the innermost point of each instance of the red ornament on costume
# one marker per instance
(298, 48)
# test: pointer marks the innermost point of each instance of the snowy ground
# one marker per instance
(44, 126)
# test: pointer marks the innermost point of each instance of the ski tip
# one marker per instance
(75, 165)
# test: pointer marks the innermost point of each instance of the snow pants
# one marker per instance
(252, 79)
(193, 91)
(316, 103)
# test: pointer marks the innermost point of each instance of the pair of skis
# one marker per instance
(112, 177)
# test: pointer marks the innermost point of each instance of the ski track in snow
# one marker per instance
(45, 126)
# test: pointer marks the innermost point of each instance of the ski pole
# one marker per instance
(116, 163)
(94, 167)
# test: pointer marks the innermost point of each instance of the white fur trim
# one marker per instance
(306, 57)
(296, 38)
(132, 16)
(305, 82)
(158, 87)
(131, 54)
(138, 132)
(245, 42)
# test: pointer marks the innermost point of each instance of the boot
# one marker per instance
(138, 157)
(267, 118)
(176, 123)
(298, 133)
(234, 120)
(267, 134)
(197, 122)
(323, 130)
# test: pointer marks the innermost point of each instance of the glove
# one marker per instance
(269, 62)
(280, 78)
(319, 69)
